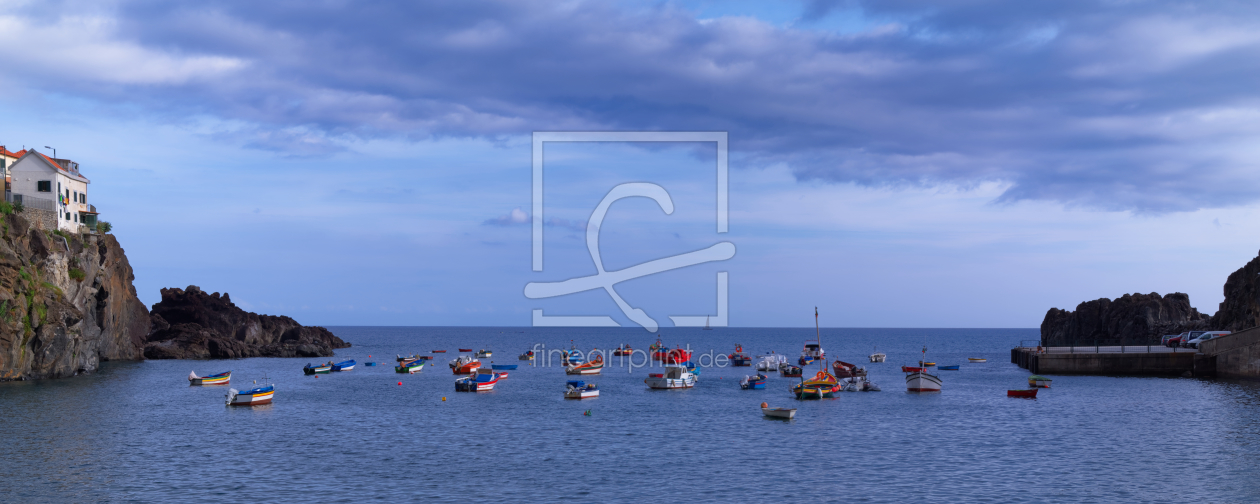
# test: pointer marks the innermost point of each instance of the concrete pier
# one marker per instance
(1108, 360)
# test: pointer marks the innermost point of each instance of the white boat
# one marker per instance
(787, 413)
(771, 362)
(252, 397)
(859, 384)
(484, 354)
(580, 390)
(920, 381)
(674, 377)
(976, 360)
(878, 356)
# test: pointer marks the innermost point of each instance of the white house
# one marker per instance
(52, 185)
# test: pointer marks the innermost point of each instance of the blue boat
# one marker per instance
(753, 382)
(947, 368)
(503, 367)
(692, 368)
(343, 366)
(369, 364)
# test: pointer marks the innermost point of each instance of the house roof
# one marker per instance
(9, 153)
(53, 164)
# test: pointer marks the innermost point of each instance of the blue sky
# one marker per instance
(898, 164)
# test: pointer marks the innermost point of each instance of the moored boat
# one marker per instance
(821, 386)
(439, 351)
(484, 353)
(783, 413)
(912, 369)
(527, 356)
(587, 368)
(1039, 381)
(812, 352)
(465, 349)
(482, 380)
(947, 368)
(859, 384)
(674, 377)
(927, 364)
(408, 358)
(344, 366)
(790, 371)
(311, 369)
(426, 357)
(623, 351)
(410, 367)
(464, 365)
(976, 360)
(251, 397)
(843, 369)
(215, 379)
(577, 389)
(504, 367)
(918, 380)
(753, 382)
(1027, 394)
(878, 356)
(771, 362)
(739, 358)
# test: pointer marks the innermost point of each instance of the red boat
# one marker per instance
(845, 370)
(465, 349)
(912, 369)
(664, 354)
(623, 350)
(439, 351)
(1027, 394)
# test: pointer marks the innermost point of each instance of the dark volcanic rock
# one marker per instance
(54, 325)
(1241, 307)
(1134, 319)
(190, 324)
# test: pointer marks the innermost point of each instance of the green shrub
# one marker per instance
(104, 227)
(77, 274)
(5, 208)
(18, 207)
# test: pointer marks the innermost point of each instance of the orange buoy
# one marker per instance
(400, 383)
(765, 405)
(443, 398)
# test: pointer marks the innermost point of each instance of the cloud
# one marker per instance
(1138, 106)
(516, 217)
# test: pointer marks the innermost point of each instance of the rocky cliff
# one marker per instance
(1134, 319)
(190, 324)
(66, 302)
(1241, 307)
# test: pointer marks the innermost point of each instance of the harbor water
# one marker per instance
(135, 431)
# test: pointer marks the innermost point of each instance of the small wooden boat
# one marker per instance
(753, 382)
(843, 369)
(947, 368)
(369, 364)
(623, 351)
(662, 353)
(822, 385)
(586, 368)
(465, 349)
(483, 354)
(320, 369)
(411, 367)
(572, 357)
(577, 389)
(927, 364)
(251, 397)
(464, 365)
(784, 413)
(739, 358)
(215, 379)
(481, 381)
(674, 377)
(813, 351)
(1038, 381)
(527, 356)
(912, 369)
(790, 371)
(439, 351)
(1027, 394)
(976, 360)
(407, 358)
(504, 367)
(343, 366)
(426, 357)
(921, 381)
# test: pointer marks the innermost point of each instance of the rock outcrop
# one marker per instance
(1132, 319)
(66, 302)
(190, 324)
(1241, 307)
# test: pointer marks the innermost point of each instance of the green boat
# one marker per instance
(317, 369)
(411, 367)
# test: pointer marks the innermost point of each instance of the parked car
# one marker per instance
(1185, 342)
(1175, 341)
(1210, 335)
(1164, 341)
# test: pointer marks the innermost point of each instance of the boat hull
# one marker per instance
(504, 367)
(922, 382)
(1024, 394)
(217, 379)
(783, 413)
(250, 397)
(662, 383)
(947, 368)
(409, 369)
(581, 394)
(317, 370)
(974, 360)
(879, 357)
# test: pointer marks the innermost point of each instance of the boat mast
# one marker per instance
(818, 337)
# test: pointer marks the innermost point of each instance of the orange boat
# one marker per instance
(464, 364)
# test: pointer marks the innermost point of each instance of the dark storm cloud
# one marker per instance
(1145, 106)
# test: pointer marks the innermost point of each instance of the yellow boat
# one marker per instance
(976, 359)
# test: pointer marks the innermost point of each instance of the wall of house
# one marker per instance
(25, 180)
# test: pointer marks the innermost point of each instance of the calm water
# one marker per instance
(137, 432)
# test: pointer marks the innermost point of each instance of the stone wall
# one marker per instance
(41, 219)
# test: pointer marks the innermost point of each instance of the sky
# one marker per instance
(897, 164)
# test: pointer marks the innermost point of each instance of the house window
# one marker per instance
(44, 186)
(67, 215)
(76, 217)
(83, 198)
(76, 196)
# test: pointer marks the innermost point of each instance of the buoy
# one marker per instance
(400, 383)
(444, 398)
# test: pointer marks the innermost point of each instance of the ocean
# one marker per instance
(136, 432)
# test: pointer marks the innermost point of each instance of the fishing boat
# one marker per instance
(465, 349)
(408, 358)
(528, 355)
(251, 397)
(623, 351)
(927, 364)
(784, 413)
(504, 367)
(572, 357)
(1026, 394)
(657, 350)
(343, 366)
(410, 367)
(439, 351)
(912, 369)
(320, 369)
(975, 360)
(577, 389)
(790, 371)
(369, 364)
(587, 368)
(676, 356)
(739, 358)
(878, 356)
(919, 380)
(692, 368)
(812, 352)
(859, 384)
(464, 365)
(753, 382)
(426, 357)
(1038, 381)
(484, 354)
(771, 362)
(215, 379)
(845, 370)
(947, 368)
(481, 381)
(823, 384)
(674, 377)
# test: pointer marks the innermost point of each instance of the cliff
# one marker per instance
(190, 324)
(1134, 319)
(1241, 307)
(66, 302)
